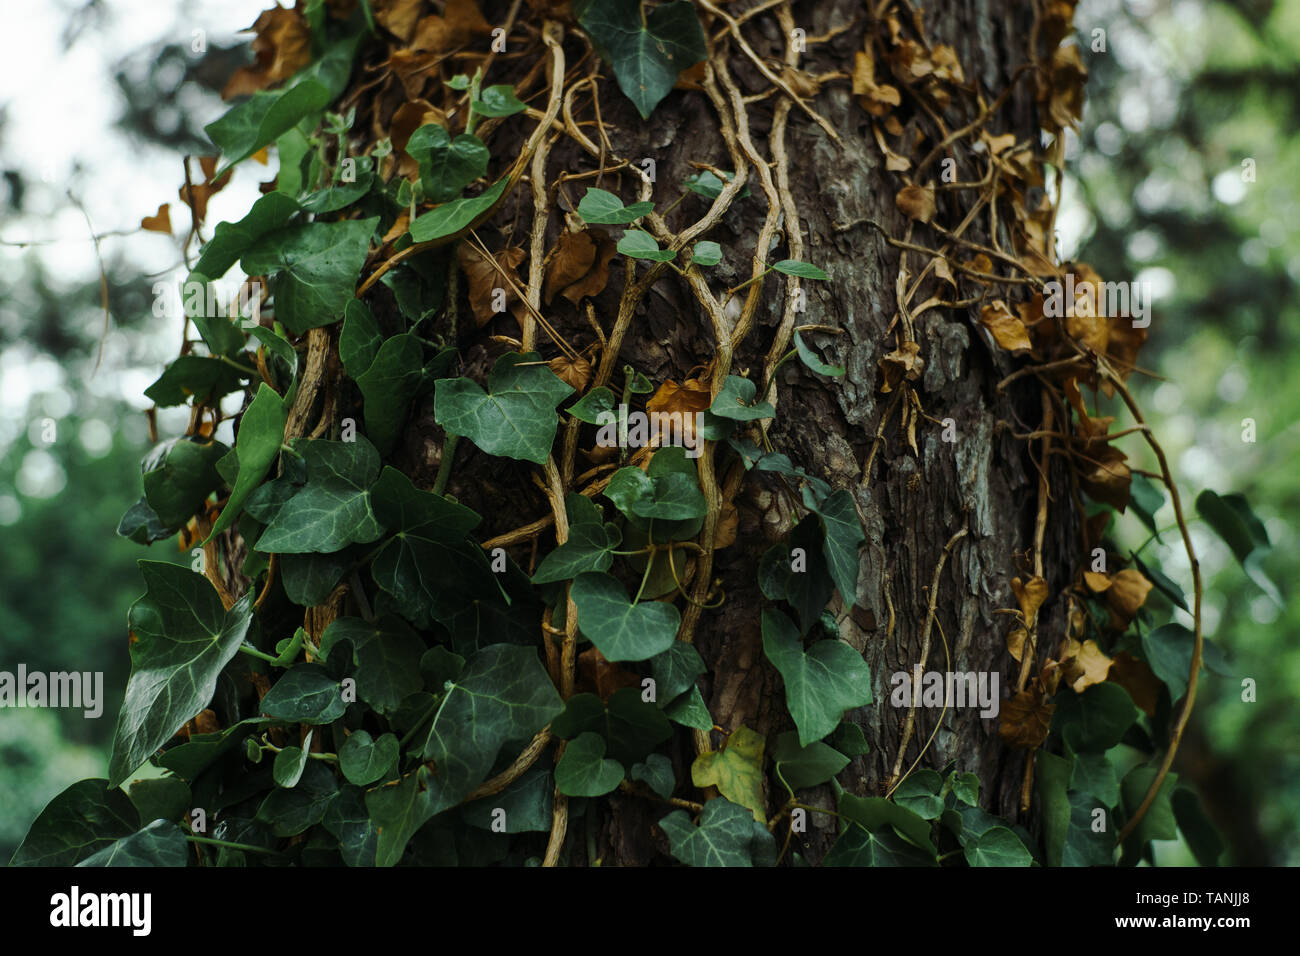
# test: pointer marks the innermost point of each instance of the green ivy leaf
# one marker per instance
(689, 710)
(231, 239)
(454, 217)
(305, 694)
(589, 548)
(290, 763)
(388, 666)
(428, 566)
(1168, 649)
(849, 740)
(656, 773)
(161, 843)
(599, 206)
(997, 846)
(396, 812)
(179, 474)
(1095, 720)
(515, 417)
(142, 525)
(290, 812)
(1162, 582)
(190, 759)
(1093, 773)
(671, 496)
(727, 836)
(645, 48)
(314, 269)
(1068, 837)
(84, 818)
(804, 270)
(339, 195)
(183, 637)
(638, 244)
(292, 149)
(447, 166)
(498, 100)
(736, 770)
(876, 814)
(1145, 499)
(708, 253)
(528, 804)
(800, 767)
(813, 361)
(1229, 524)
(1052, 779)
(630, 726)
(420, 285)
(843, 536)
(1158, 823)
(1201, 836)
(674, 671)
(360, 340)
(709, 185)
(388, 386)
(201, 377)
(1233, 520)
(623, 631)
(822, 683)
(599, 401)
(817, 490)
(584, 770)
(809, 589)
(309, 578)
(347, 819)
(268, 114)
(161, 798)
(505, 696)
(965, 787)
(364, 760)
(333, 509)
(261, 431)
(735, 401)
(919, 792)
(857, 846)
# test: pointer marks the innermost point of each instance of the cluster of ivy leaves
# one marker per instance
(1103, 751)
(370, 742)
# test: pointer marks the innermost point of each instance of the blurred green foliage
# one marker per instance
(1189, 165)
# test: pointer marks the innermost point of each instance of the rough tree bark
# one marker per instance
(984, 483)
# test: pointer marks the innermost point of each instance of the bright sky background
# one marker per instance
(61, 105)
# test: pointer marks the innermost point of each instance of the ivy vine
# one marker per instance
(349, 672)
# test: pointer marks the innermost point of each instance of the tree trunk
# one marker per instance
(974, 480)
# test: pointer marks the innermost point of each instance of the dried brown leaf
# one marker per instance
(1007, 330)
(161, 221)
(281, 48)
(1025, 719)
(574, 371)
(1138, 679)
(485, 279)
(916, 202)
